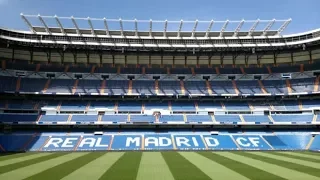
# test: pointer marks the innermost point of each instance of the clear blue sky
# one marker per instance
(305, 13)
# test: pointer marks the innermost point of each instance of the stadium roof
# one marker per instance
(59, 28)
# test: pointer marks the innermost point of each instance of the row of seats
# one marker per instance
(152, 141)
(148, 87)
(162, 118)
(133, 69)
(175, 106)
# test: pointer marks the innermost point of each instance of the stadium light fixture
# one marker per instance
(75, 25)
(194, 28)
(106, 26)
(224, 27)
(180, 27)
(268, 27)
(165, 28)
(44, 24)
(235, 34)
(150, 28)
(209, 28)
(28, 23)
(253, 28)
(60, 25)
(91, 26)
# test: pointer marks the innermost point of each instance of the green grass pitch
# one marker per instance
(173, 165)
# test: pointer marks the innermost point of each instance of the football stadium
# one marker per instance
(133, 99)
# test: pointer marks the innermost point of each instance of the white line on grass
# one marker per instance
(211, 168)
(153, 166)
(268, 167)
(96, 168)
(33, 169)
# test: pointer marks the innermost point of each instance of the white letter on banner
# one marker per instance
(151, 140)
(54, 141)
(89, 141)
(68, 142)
(255, 141)
(98, 144)
(133, 140)
(182, 140)
(211, 141)
(195, 142)
(241, 141)
(164, 141)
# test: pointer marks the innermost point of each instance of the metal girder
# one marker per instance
(268, 27)
(283, 27)
(44, 24)
(253, 28)
(180, 27)
(224, 27)
(121, 26)
(165, 28)
(150, 28)
(194, 28)
(106, 26)
(238, 28)
(60, 25)
(209, 28)
(75, 25)
(136, 27)
(28, 23)
(91, 26)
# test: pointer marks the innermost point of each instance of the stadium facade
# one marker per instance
(86, 89)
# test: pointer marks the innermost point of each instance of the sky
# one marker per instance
(305, 14)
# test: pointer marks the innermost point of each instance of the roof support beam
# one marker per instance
(253, 28)
(150, 28)
(106, 26)
(136, 27)
(238, 28)
(44, 24)
(209, 28)
(28, 23)
(165, 28)
(194, 28)
(268, 27)
(283, 27)
(91, 26)
(180, 27)
(60, 25)
(224, 27)
(75, 25)
(121, 27)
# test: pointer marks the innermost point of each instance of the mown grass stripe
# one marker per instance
(271, 168)
(7, 156)
(296, 156)
(181, 168)
(11, 167)
(303, 154)
(315, 153)
(246, 170)
(293, 166)
(33, 169)
(153, 166)
(96, 168)
(126, 168)
(213, 169)
(64, 169)
(23, 158)
(291, 160)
